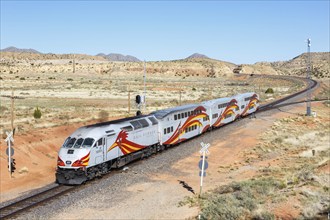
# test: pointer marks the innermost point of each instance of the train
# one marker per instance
(93, 150)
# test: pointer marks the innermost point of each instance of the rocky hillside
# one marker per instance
(296, 66)
(16, 62)
(24, 60)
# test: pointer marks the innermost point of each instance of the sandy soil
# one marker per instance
(36, 155)
(227, 162)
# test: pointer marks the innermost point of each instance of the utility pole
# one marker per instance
(129, 98)
(12, 110)
(144, 84)
(309, 92)
(180, 97)
(9, 139)
(12, 97)
(74, 64)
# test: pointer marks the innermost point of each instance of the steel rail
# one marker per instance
(311, 85)
(18, 207)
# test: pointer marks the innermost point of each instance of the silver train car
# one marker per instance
(93, 150)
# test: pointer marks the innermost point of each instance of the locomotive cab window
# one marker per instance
(88, 142)
(66, 142)
(78, 143)
(99, 142)
(69, 143)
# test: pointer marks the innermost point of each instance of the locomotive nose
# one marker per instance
(69, 156)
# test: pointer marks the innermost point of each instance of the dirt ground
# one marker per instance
(227, 163)
(233, 160)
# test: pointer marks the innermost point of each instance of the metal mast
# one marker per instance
(309, 70)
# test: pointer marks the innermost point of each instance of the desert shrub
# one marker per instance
(37, 113)
(3, 109)
(69, 79)
(237, 200)
(265, 215)
(103, 114)
(269, 91)
(22, 78)
(193, 89)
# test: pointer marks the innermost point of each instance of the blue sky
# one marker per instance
(234, 31)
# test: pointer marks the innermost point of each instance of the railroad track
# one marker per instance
(311, 85)
(41, 198)
(16, 208)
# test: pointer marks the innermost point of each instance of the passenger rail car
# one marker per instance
(94, 149)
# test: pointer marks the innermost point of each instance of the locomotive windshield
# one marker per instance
(73, 142)
(88, 142)
(78, 143)
(69, 142)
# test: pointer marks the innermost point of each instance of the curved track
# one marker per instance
(311, 85)
(38, 199)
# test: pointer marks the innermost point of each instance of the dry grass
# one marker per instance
(65, 97)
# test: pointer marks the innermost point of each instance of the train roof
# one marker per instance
(115, 121)
(213, 101)
(160, 114)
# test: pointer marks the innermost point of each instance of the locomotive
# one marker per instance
(93, 150)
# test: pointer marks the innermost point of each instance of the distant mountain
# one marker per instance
(18, 50)
(197, 55)
(119, 57)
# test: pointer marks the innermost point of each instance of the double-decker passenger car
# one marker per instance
(93, 150)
